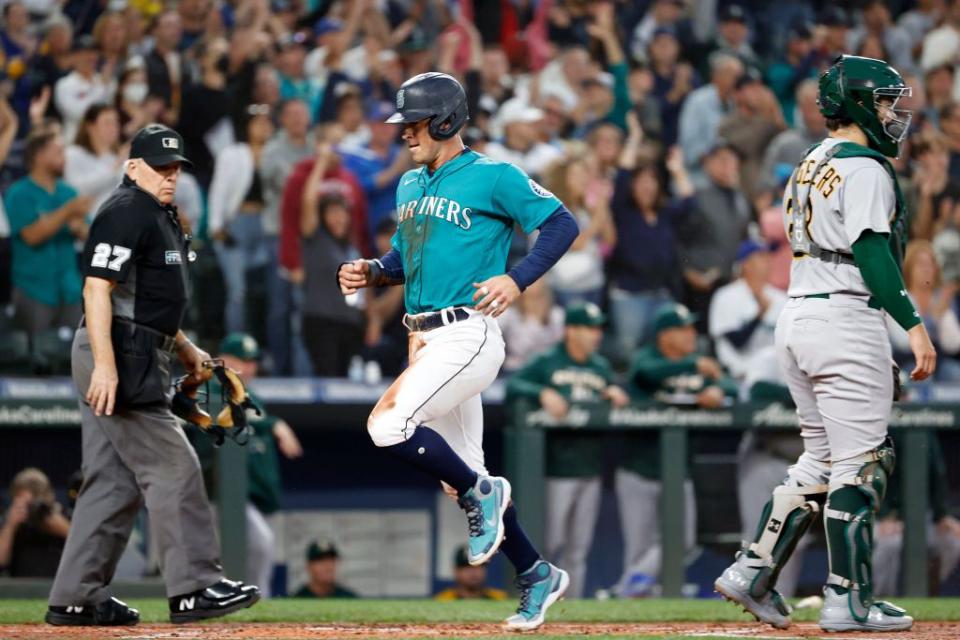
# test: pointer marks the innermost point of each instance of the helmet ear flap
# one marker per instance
(447, 127)
(437, 130)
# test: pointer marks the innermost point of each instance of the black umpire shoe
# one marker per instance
(111, 613)
(219, 599)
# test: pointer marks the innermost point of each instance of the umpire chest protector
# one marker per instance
(137, 243)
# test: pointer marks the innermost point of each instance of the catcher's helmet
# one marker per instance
(852, 87)
(436, 96)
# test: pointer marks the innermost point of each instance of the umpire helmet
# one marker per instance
(851, 89)
(436, 96)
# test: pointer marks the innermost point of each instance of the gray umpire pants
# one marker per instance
(128, 458)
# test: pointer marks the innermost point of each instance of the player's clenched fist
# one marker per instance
(495, 294)
(352, 276)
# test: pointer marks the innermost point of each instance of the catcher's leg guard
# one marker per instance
(848, 519)
(785, 519)
(750, 580)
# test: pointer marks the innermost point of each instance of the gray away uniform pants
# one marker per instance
(131, 457)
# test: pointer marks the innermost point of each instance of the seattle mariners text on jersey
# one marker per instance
(455, 226)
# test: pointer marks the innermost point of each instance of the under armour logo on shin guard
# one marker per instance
(774, 526)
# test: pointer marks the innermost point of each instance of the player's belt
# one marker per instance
(871, 301)
(429, 321)
(830, 257)
(160, 340)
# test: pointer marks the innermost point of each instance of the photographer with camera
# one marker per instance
(34, 529)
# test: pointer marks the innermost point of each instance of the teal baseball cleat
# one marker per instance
(485, 504)
(540, 586)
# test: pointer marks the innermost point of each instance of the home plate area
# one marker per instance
(274, 631)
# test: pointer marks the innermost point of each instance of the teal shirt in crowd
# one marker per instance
(454, 226)
(46, 272)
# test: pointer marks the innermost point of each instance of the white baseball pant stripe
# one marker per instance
(449, 367)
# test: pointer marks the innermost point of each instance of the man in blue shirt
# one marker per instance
(378, 165)
(46, 217)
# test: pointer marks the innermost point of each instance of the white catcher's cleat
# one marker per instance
(734, 585)
(882, 616)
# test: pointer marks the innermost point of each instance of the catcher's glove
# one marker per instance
(188, 399)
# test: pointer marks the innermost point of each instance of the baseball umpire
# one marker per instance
(845, 218)
(456, 217)
(135, 293)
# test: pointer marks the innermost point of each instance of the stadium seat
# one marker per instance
(14, 352)
(50, 354)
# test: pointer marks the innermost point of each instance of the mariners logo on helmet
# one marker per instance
(436, 97)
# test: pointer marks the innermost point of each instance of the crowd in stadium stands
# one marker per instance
(668, 127)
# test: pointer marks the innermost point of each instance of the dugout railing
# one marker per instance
(528, 429)
(30, 406)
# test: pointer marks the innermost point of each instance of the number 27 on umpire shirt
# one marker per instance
(454, 226)
(138, 243)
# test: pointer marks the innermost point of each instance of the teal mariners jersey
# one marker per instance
(454, 226)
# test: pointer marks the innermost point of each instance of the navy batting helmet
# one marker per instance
(436, 96)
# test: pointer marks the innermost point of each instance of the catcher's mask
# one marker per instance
(191, 401)
(868, 92)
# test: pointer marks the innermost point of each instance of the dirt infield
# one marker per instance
(251, 631)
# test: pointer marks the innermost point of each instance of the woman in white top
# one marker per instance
(531, 326)
(579, 275)
(935, 302)
(235, 203)
(94, 162)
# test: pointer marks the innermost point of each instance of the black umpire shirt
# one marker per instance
(138, 243)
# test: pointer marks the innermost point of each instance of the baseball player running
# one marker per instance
(455, 219)
(844, 214)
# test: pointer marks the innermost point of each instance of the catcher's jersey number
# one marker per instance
(103, 253)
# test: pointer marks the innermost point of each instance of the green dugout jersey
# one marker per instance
(454, 226)
(654, 377)
(570, 454)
